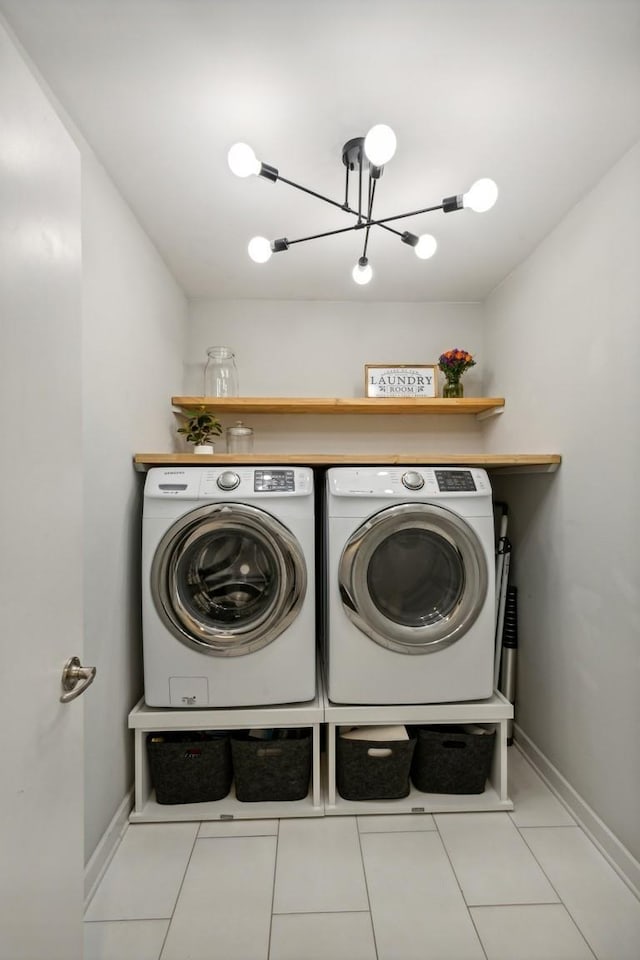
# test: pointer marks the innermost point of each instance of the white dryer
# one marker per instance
(228, 599)
(410, 601)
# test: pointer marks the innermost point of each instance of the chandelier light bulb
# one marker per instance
(259, 249)
(426, 246)
(362, 272)
(481, 196)
(242, 160)
(380, 144)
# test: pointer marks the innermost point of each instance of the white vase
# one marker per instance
(203, 448)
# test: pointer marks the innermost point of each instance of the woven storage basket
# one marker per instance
(190, 767)
(448, 760)
(373, 769)
(276, 769)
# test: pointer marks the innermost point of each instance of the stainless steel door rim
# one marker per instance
(446, 601)
(262, 589)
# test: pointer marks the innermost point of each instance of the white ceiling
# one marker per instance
(541, 95)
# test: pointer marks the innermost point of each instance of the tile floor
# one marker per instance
(526, 885)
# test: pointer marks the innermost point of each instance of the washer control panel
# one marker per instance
(224, 483)
(272, 481)
(455, 481)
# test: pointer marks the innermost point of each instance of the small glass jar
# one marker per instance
(239, 438)
(220, 373)
(453, 389)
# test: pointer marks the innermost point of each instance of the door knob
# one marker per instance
(75, 679)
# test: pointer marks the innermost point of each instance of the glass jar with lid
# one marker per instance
(220, 373)
(239, 438)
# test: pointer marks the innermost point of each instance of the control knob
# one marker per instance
(228, 480)
(413, 480)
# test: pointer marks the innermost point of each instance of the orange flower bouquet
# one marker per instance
(453, 364)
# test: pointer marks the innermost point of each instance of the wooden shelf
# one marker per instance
(348, 405)
(480, 407)
(495, 462)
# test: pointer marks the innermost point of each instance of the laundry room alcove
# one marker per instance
(320, 716)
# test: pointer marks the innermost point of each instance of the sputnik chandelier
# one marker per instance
(376, 149)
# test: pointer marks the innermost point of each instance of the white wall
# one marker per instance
(319, 349)
(134, 318)
(563, 335)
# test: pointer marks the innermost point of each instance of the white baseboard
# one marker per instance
(622, 861)
(109, 843)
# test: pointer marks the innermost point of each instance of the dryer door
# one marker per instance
(413, 578)
(228, 578)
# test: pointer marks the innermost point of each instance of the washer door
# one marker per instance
(228, 578)
(413, 578)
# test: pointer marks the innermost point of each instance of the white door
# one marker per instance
(41, 747)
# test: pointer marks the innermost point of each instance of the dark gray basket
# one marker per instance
(449, 760)
(190, 767)
(365, 771)
(277, 769)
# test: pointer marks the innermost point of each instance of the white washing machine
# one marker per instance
(228, 598)
(410, 601)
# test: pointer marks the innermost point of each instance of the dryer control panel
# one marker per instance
(408, 482)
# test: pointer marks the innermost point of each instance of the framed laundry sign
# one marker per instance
(400, 380)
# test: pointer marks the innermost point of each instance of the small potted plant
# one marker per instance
(201, 428)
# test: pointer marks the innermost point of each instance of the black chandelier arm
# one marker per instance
(398, 233)
(283, 244)
(372, 193)
(411, 213)
(328, 233)
(313, 193)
